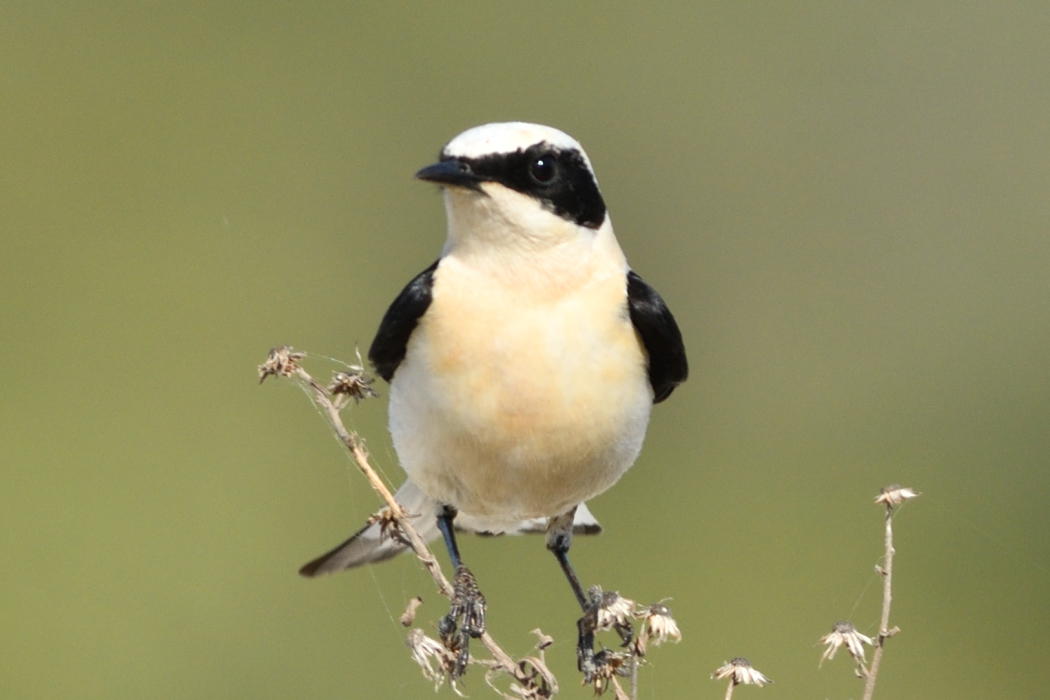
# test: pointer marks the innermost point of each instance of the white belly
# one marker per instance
(519, 401)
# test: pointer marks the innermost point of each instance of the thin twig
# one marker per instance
(887, 598)
(891, 496)
(844, 633)
(729, 690)
(634, 677)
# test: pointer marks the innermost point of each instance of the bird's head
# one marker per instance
(516, 186)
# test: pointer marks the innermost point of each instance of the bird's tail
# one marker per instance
(371, 544)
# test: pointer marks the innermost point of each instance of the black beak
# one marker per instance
(454, 172)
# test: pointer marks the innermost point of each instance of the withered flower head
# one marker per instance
(281, 362)
(615, 611)
(609, 664)
(739, 671)
(845, 634)
(658, 626)
(893, 495)
(354, 385)
(436, 661)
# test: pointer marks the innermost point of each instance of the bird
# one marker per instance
(523, 364)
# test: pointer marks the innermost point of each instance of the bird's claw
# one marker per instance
(465, 619)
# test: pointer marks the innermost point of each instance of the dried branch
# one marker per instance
(844, 634)
(891, 496)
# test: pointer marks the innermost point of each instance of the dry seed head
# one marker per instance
(281, 362)
(354, 385)
(609, 664)
(739, 672)
(615, 611)
(845, 634)
(436, 661)
(893, 495)
(658, 626)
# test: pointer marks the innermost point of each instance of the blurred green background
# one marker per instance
(845, 204)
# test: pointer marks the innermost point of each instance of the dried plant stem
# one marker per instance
(323, 399)
(887, 597)
(634, 677)
(729, 690)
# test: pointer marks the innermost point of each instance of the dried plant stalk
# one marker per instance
(891, 496)
(887, 597)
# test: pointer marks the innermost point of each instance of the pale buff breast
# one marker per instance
(522, 395)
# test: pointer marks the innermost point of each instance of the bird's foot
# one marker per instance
(465, 619)
(604, 611)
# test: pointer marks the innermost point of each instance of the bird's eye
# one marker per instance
(543, 169)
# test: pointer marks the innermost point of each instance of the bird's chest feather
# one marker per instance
(509, 360)
(519, 397)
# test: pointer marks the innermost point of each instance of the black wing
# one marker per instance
(388, 348)
(663, 341)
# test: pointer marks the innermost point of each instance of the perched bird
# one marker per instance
(523, 364)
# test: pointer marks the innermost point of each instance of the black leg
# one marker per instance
(467, 611)
(445, 518)
(563, 558)
(559, 540)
